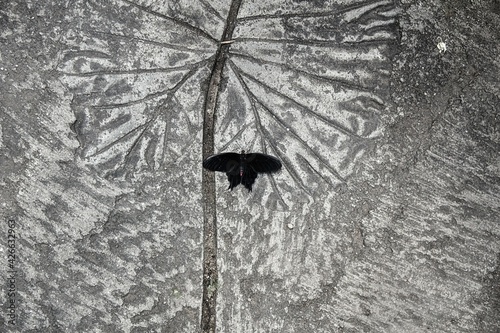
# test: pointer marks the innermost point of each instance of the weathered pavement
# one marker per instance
(385, 217)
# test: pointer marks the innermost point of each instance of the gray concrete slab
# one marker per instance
(384, 218)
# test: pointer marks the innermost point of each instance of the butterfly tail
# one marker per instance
(248, 179)
(234, 180)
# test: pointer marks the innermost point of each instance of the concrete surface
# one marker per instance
(385, 217)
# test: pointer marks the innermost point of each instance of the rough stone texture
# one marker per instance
(386, 217)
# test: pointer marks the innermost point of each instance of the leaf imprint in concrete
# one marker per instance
(304, 81)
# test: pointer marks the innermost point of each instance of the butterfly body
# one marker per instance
(242, 168)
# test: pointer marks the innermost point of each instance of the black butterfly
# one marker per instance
(242, 168)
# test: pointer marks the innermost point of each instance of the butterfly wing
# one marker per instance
(248, 178)
(225, 162)
(234, 180)
(262, 163)
(228, 163)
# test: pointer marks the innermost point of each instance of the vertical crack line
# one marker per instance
(210, 271)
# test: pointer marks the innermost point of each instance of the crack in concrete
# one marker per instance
(210, 271)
